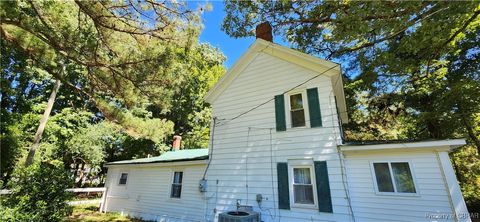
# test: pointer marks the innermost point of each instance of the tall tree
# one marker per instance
(43, 123)
(124, 52)
(189, 112)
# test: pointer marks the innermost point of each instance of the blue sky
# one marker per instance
(212, 33)
(232, 48)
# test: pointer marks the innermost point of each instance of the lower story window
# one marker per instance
(176, 185)
(123, 179)
(394, 177)
(303, 186)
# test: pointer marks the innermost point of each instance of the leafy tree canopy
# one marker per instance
(118, 54)
(136, 64)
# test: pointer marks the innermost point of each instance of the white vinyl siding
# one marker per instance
(247, 149)
(370, 205)
(148, 193)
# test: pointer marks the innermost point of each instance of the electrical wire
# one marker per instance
(211, 153)
(289, 125)
(345, 181)
(246, 164)
(271, 172)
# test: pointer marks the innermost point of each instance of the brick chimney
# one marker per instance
(176, 142)
(264, 31)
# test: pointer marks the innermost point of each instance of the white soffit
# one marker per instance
(446, 145)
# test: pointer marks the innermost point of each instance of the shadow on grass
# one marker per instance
(89, 213)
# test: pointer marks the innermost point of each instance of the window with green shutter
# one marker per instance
(295, 110)
(280, 113)
(323, 187)
(283, 187)
(314, 108)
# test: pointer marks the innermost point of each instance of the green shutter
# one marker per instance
(280, 113)
(323, 187)
(283, 194)
(314, 108)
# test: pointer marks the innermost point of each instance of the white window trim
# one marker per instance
(395, 193)
(302, 164)
(120, 176)
(305, 108)
(171, 184)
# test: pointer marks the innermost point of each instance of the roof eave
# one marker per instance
(260, 45)
(440, 145)
(156, 162)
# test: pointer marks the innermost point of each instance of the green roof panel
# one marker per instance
(170, 156)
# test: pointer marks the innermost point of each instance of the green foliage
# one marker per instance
(38, 194)
(112, 51)
(88, 144)
(467, 167)
(11, 149)
(191, 115)
(146, 75)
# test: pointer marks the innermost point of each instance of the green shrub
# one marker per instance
(38, 194)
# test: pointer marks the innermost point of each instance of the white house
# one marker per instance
(276, 149)
(163, 188)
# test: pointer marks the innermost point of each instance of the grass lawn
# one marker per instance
(89, 212)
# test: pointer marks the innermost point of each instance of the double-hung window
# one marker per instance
(302, 186)
(303, 183)
(176, 185)
(297, 111)
(394, 177)
(123, 179)
(303, 191)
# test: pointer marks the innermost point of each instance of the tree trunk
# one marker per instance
(81, 175)
(75, 172)
(455, 167)
(43, 123)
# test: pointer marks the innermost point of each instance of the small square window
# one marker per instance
(176, 185)
(123, 179)
(394, 177)
(297, 111)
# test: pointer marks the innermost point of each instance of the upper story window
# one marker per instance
(297, 111)
(394, 177)
(300, 108)
(176, 185)
(123, 179)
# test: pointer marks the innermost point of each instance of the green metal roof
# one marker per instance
(170, 156)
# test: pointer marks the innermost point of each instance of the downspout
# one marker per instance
(340, 125)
